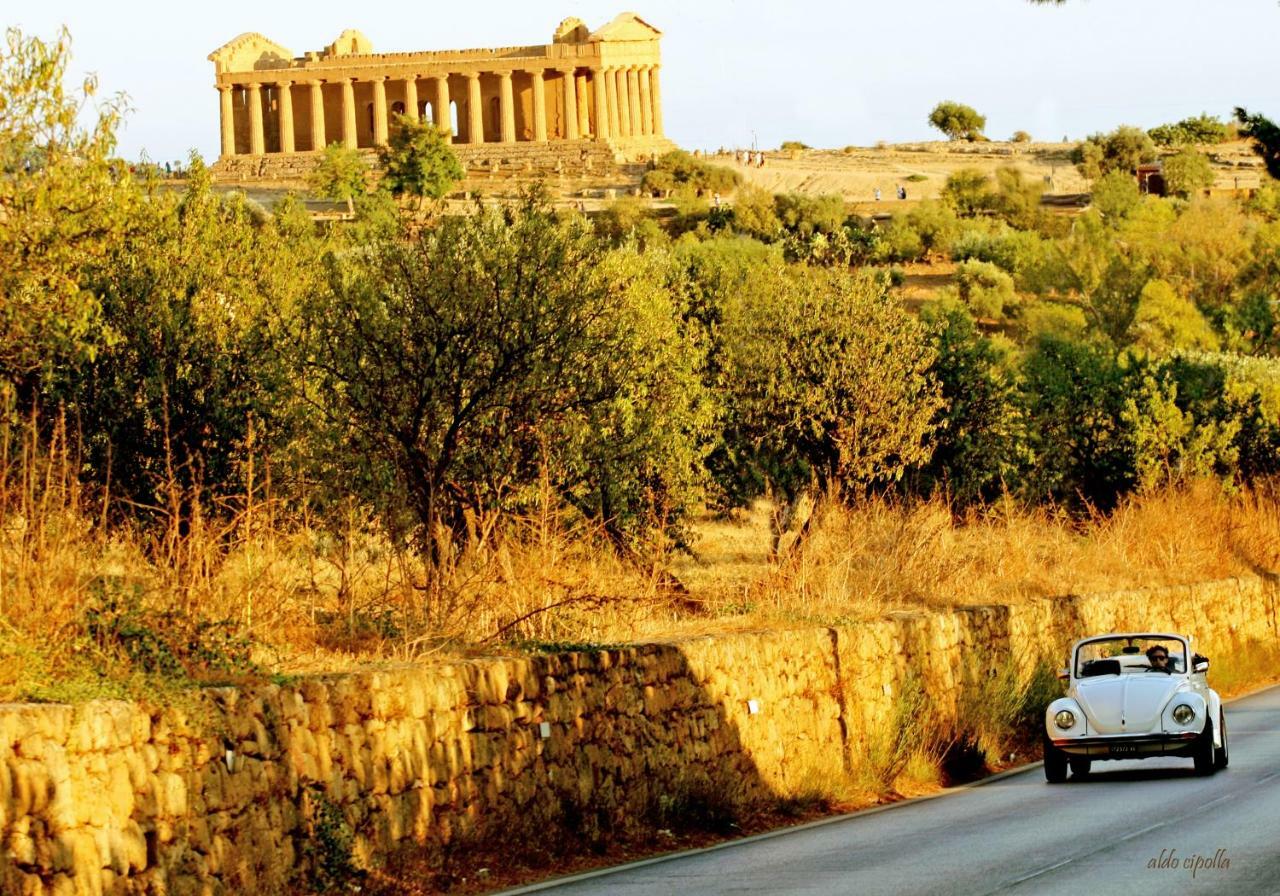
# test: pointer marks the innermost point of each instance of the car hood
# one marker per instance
(1128, 704)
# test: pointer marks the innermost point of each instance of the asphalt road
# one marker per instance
(1130, 827)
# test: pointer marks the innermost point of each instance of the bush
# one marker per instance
(679, 170)
(1124, 149)
(417, 160)
(968, 192)
(471, 361)
(1166, 322)
(957, 121)
(980, 445)
(1116, 194)
(1020, 137)
(1201, 129)
(804, 214)
(985, 289)
(826, 377)
(794, 145)
(1187, 172)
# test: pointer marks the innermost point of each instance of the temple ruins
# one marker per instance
(586, 90)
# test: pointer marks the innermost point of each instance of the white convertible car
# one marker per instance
(1133, 696)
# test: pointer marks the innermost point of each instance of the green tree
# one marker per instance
(476, 357)
(1203, 128)
(826, 378)
(1075, 395)
(64, 205)
(957, 121)
(1116, 194)
(1187, 172)
(342, 175)
(980, 445)
(1165, 322)
(198, 374)
(1124, 149)
(417, 160)
(1266, 138)
(968, 192)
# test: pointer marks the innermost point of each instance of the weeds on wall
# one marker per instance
(328, 861)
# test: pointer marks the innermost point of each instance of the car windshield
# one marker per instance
(1130, 656)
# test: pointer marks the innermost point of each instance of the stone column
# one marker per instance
(655, 94)
(508, 106)
(443, 120)
(411, 97)
(257, 143)
(584, 107)
(539, 106)
(633, 100)
(475, 109)
(646, 103)
(624, 102)
(349, 139)
(317, 115)
(286, 115)
(602, 103)
(571, 131)
(611, 97)
(380, 111)
(228, 110)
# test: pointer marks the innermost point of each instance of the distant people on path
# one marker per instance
(877, 194)
(902, 192)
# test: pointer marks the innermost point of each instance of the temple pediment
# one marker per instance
(349, 43)
(250, 52)
(627, 26)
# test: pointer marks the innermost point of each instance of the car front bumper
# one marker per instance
(1128, 746)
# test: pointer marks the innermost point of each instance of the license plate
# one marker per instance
(1123, 749)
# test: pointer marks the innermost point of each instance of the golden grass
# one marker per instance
(863, 560)
(316, 598)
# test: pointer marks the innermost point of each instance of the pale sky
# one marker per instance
(741, 71)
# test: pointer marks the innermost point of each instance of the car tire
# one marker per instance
(1055, 763)
(1080, 766)
(1220, 755)
(1204, 751)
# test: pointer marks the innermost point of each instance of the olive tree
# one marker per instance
(957, 121)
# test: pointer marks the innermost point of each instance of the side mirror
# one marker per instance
(1199, 663)
(1064, 674)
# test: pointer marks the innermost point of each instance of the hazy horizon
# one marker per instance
(738, 73)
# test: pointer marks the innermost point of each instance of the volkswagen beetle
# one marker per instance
(1134, 696)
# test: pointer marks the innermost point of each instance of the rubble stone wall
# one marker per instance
(222, 797)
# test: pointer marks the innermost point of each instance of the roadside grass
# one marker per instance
(99, 601)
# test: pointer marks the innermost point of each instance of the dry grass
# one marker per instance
(863, 560)
(314, 598)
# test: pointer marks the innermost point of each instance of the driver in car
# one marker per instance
(1158, 657)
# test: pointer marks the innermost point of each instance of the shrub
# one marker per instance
(754, 214)
(968, 192)
(980, 445)
(826, 376)
(987, 290)
(957, 121)
(417, 160)
(1187, 172)
(1124, 149)
(1116, 194)
(1020, 137)
(1203, 128)
(804, 214)
(1166, 321)
(681, 170)
(794, 145)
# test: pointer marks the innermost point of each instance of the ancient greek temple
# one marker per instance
(598, 85)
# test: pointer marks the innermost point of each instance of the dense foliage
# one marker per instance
(957, 121)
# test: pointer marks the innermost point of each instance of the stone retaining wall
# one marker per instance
(112, 797)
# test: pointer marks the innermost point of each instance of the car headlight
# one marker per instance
(1065, 719)
(1183, 714)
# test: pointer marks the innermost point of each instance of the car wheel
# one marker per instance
(1204, 754)
(1220, 756)
(1055, 763)
(1080, 766)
